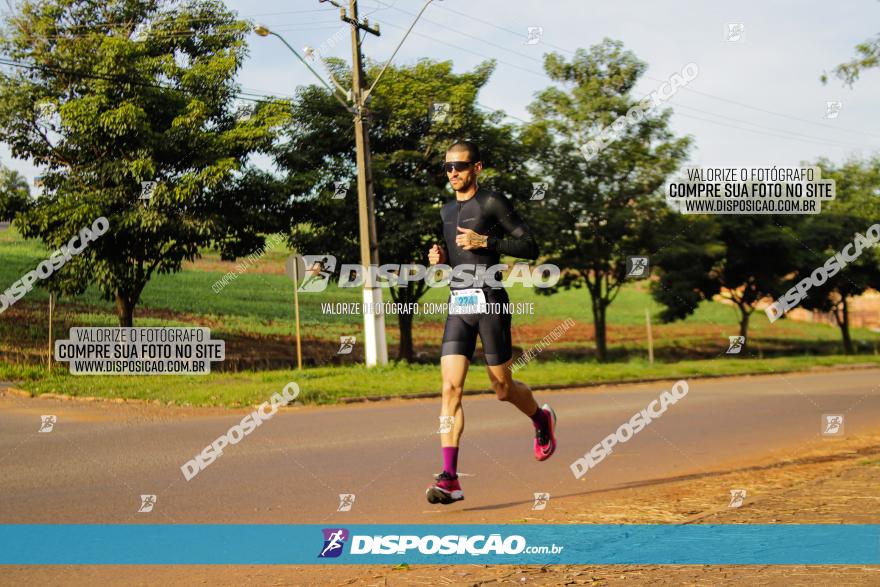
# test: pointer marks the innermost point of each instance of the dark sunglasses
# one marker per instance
(456, 165)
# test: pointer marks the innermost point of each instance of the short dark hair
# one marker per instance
(472, 149)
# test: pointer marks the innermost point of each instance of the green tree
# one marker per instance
(407, 149)
(855, 208)
(606, 208)
(107, 95)
(15, 194)
(748, 257)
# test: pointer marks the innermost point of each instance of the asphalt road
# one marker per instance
(101, 457)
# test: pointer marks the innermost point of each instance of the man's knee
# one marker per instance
(451, 390)
(502, 389)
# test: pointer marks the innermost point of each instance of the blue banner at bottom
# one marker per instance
(139, 544)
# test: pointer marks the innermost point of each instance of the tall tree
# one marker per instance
(608, 207)
(408, 147)
(855, 208)
(107, 95)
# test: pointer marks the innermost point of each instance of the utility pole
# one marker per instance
(375, 346)
(376, 349)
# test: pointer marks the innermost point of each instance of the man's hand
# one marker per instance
(436, 256)
(470, 240)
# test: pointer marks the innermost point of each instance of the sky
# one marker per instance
(757, 101)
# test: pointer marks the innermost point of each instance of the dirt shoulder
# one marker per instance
(832, 482)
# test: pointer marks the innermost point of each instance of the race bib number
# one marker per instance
(467, 301)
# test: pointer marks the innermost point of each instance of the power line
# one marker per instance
(532, 71)
(259, 97)
(240, 17)
(387, 6)
(476, 38)
(503, 112)
(770, 129)
(809, 138)
(238, 94)
(689, 89)
(163, 34)
(771, 134)
(795, 118)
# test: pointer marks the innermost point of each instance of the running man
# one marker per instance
(479, 226)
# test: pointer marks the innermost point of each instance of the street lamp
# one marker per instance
(264, 31)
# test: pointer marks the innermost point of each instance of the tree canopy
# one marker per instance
(105, 96)
(605, 208)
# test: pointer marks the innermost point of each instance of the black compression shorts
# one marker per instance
(460, 334)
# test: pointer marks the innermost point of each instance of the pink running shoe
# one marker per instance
(446, 490)
(545, 444)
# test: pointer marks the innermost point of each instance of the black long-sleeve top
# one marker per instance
(491, 214)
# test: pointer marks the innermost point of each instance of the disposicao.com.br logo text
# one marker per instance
(394, 544)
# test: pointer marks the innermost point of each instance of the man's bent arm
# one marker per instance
(519, 242)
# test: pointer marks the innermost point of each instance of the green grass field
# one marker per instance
(258, 306)
(326, 385)
(263, 303)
